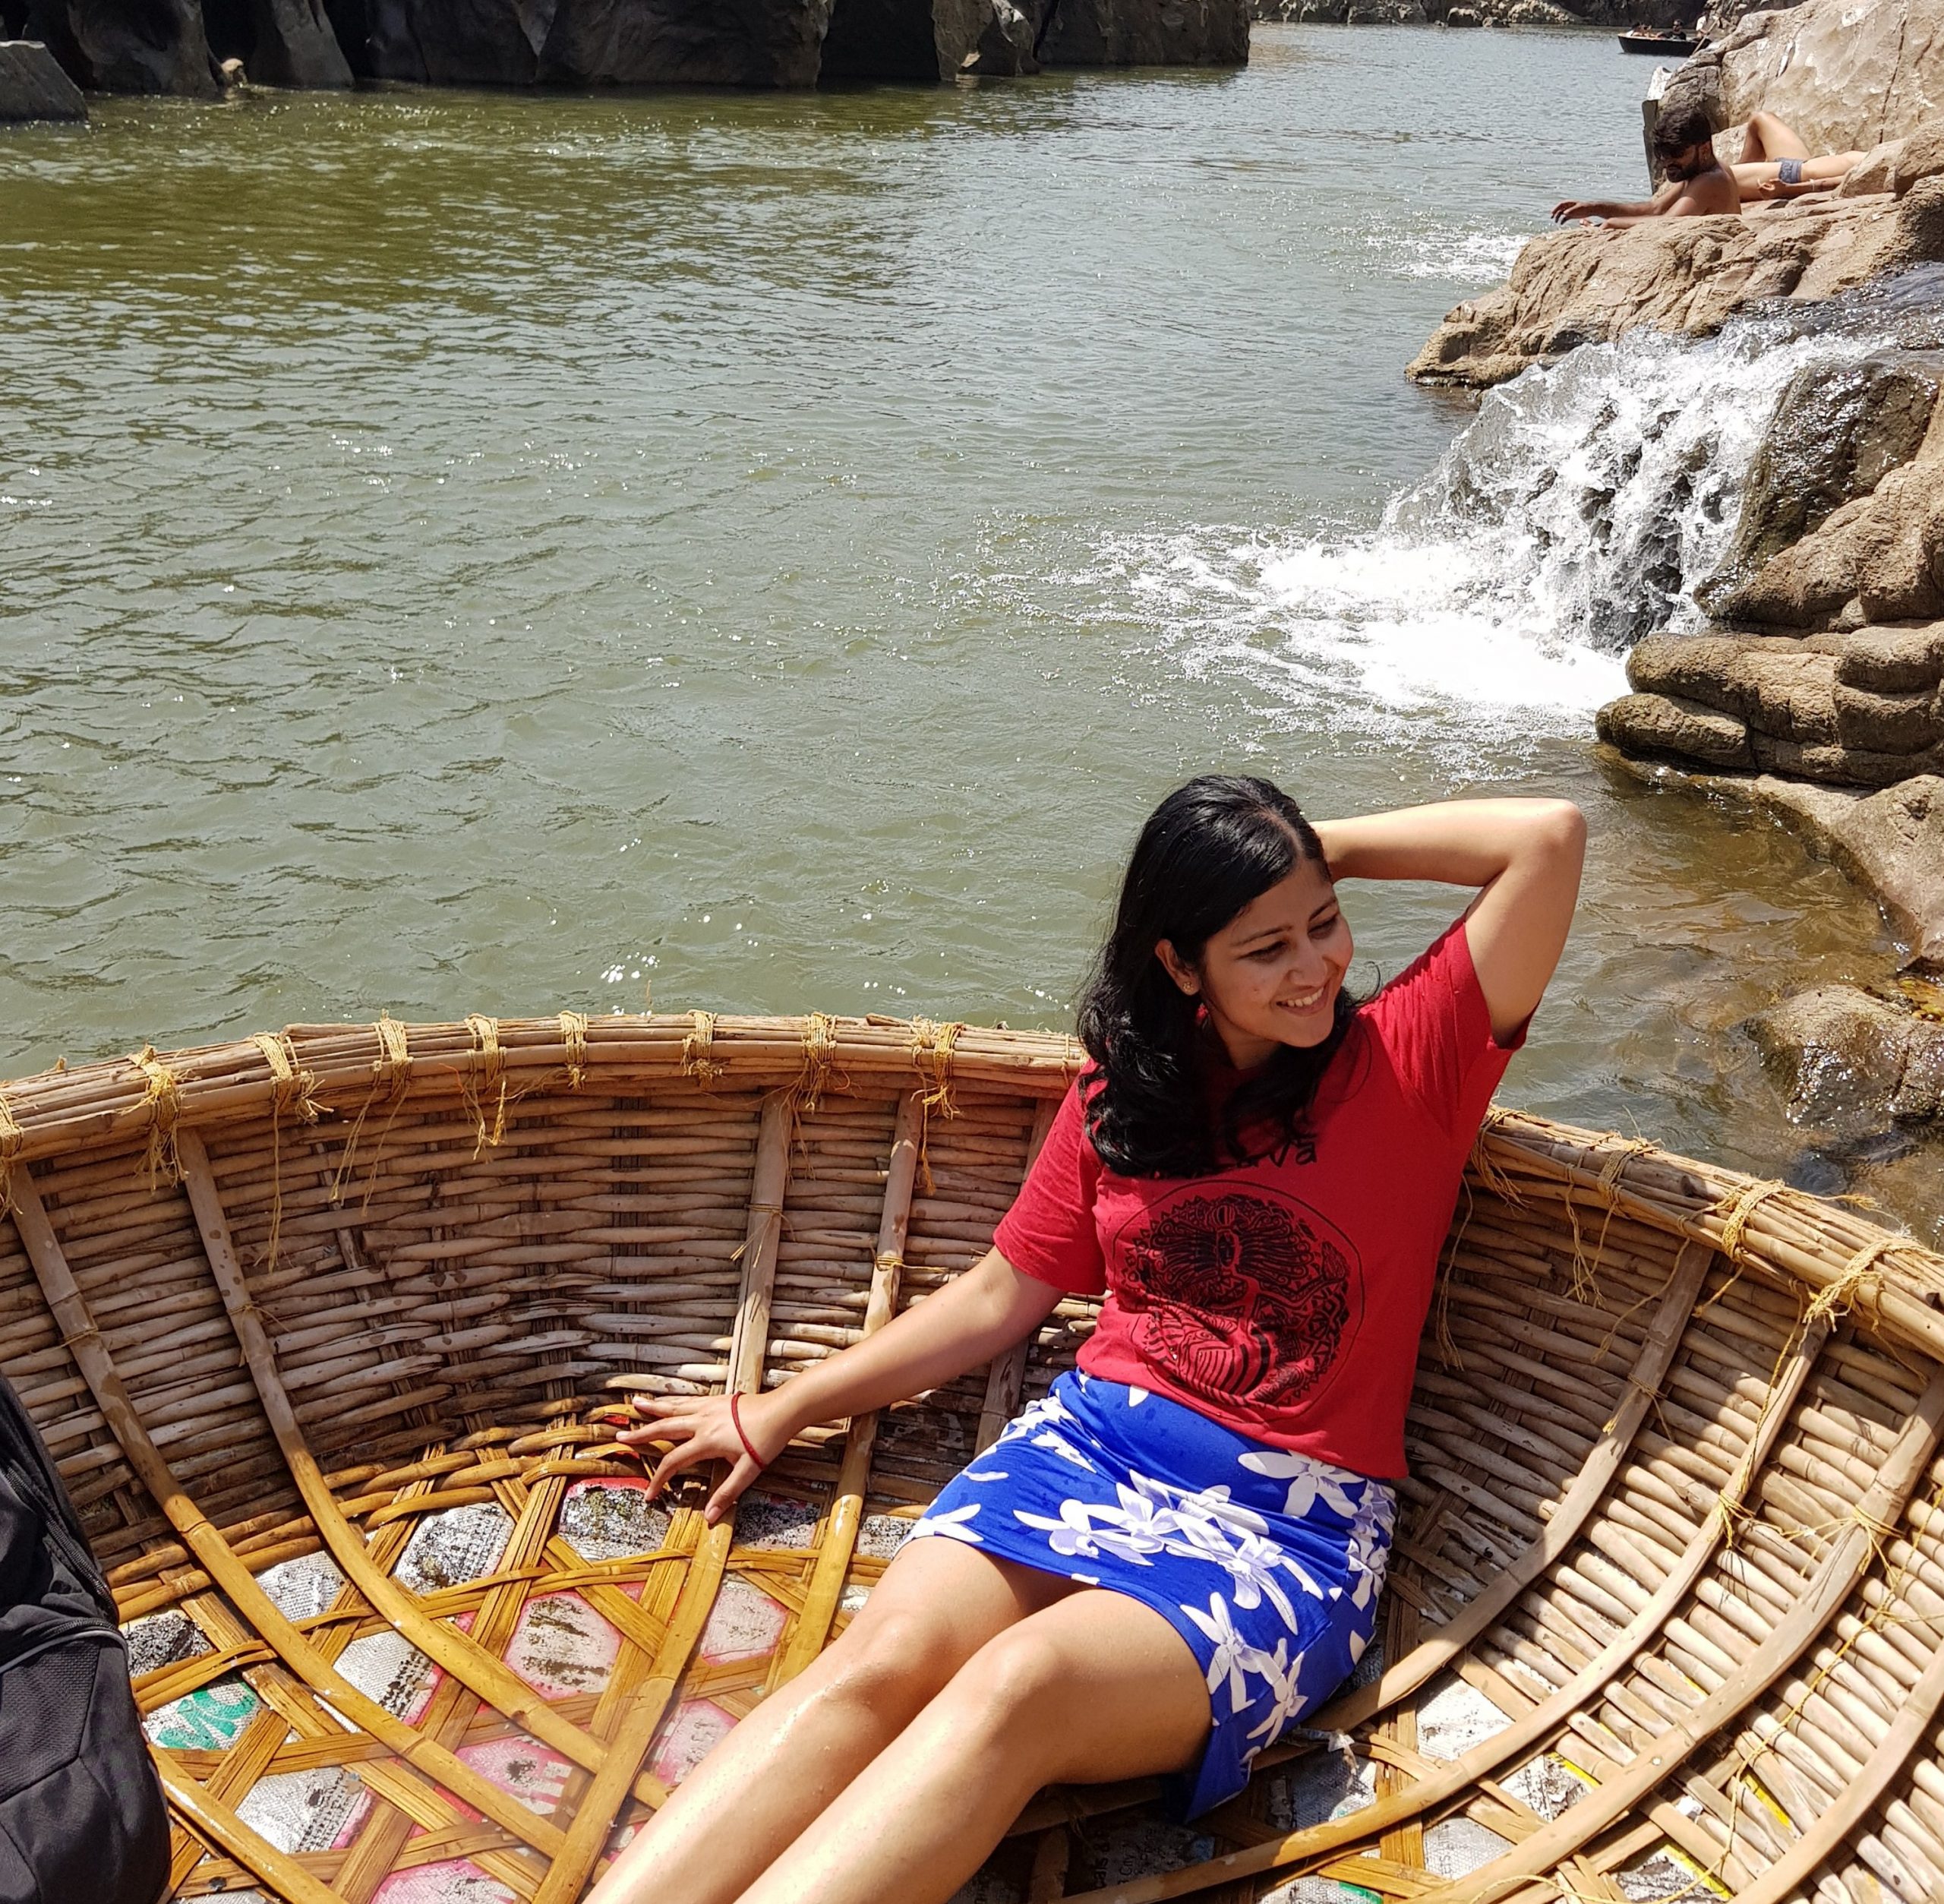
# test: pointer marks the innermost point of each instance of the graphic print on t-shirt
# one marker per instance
(1243, 1294)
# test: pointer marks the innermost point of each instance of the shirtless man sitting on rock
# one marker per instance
(1774, 164)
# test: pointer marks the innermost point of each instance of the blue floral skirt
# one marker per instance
(1267, 1563)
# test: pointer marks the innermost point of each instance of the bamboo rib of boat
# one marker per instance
(319, 1327)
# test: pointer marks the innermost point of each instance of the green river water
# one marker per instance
(471, 552)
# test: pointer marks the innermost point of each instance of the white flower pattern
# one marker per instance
(1270, 1568)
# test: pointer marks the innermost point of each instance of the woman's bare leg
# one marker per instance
(938, 1602)
(1096, 1687)
(1766, 138)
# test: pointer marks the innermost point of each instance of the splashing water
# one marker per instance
(1578, 511)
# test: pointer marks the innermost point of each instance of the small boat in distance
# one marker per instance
(1658, 40)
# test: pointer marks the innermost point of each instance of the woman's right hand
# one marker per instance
(703, 1428)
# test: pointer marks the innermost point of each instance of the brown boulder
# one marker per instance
(1663, 727)
(1692, 666)
(1891, 661)
(1592, 284)
(1879, 558)
(1917, 157)
(1835, 765)
(1845, 76)
(1892, 724)
(1852, 1061)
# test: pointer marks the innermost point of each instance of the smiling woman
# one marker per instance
(1178, 1551)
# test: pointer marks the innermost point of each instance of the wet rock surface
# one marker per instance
(1835, 435)
(1854, 1062)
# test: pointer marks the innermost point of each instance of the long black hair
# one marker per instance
(1208, 850)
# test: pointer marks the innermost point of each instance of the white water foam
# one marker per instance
(1579, 511)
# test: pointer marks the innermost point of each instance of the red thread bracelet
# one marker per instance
(748, 1447)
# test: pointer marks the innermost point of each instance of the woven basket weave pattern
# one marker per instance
(319, 1329)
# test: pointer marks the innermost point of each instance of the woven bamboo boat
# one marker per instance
(319, 1327)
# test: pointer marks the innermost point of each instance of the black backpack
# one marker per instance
(82, 1819)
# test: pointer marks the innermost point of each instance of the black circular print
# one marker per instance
(1236, 1296)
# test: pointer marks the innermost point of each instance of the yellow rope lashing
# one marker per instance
(696, 1062)
(393, 1065)
(574, 1039)
(1488, 1172)
(162, 1098)
(11, 1138)
(488, 1076)
(820, 1050)
(391, 1073)
(294, 1091)
(931, 1056)
(1854, 1286)
(1739, 1211)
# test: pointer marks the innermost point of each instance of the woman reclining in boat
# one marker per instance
(1774, 163)
(1177, 1552)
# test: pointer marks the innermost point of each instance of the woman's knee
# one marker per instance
(1010, 1682)
(901, 1659)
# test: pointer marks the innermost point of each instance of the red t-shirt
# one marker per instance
(1285, 1297)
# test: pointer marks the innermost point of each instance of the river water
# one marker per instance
(471, 552)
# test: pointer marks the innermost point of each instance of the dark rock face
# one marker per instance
(1834, 437)
(1147, 32)
(920, 39)
(128, 46)
(933, 39)
(679, 42)
(33, 86)
(280, 43)
(458, 42)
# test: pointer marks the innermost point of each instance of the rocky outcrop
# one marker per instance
(1836, 434)
(1846, 76)
(128, 46)
(1141, 32)
(1877, 555)
(33, 86)
(1590, 285)
(933, 39)
(277, 42)
(1852, 1061)
(174, 46)
(1821, 709)
(1724, 15)
(696, 42)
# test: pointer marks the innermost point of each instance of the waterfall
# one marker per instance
(1578, 511)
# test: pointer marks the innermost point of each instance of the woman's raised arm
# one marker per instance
(1524, 855)
(989, 1308)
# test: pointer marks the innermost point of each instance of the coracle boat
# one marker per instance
(321, 1327)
